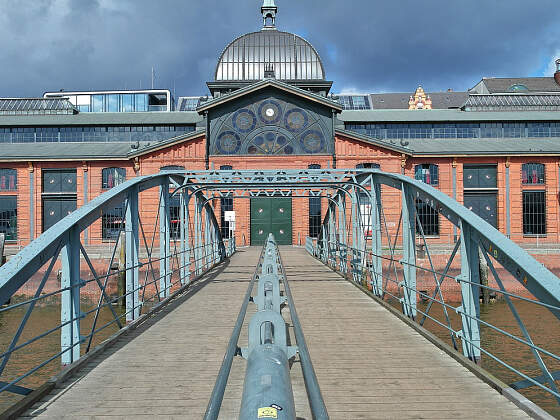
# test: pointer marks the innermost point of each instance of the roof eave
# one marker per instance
(371, 140)
(262, 84)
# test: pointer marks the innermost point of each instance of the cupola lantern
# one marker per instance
(269, 11)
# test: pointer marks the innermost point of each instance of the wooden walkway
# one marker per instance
(369, 364)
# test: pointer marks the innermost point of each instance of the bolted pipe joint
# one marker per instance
(267, 390)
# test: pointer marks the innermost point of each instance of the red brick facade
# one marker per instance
(349, 152)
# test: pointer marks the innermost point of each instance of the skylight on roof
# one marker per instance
(518, 88)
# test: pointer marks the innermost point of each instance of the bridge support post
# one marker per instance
(164, 240)
(207, 239)
(376, 246)
(331, 243)
(198, 252)
(324, 244)
(132, 250)
(470, 290)
(357, 238)
(70, 299)
(185, 271)
(341, 242)
(409, 252)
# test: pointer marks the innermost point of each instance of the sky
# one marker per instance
(367, 46)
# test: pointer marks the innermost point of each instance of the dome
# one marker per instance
(269, 53)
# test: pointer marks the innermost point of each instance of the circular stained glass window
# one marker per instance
(259, 141)
(270, 111)
(289, 150)
(296, 119)
(312, 141)
(228, 142)
(244, 120)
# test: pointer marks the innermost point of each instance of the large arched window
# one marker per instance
(8, 180)
(532, 174)
(112, 220)
(314, 211)
(226, 205)
(427, 172)
(174, 204)
(111, 177)
(427, 215)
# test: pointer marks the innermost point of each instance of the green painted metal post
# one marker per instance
(470, 291)
(409, 252)
(164, 240)
(376, 245)
(132, 244)
(70, 299)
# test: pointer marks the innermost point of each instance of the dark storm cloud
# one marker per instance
(366, 45)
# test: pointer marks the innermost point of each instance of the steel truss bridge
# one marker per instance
(187, 283)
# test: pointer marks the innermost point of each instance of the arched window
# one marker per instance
(8, 180)
(111, 177)
(172, 168)
(368, 165)
(314, 211)
(174, 203)
(427, 215)
(427, 173)
(112, 220)
(532, 174)
(226, 204)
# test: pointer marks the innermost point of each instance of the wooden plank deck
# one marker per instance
(369, 364)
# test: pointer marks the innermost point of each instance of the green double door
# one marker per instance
(271, 215)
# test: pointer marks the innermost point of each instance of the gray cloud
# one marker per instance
(366, 45)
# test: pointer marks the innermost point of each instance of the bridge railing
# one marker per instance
(399, 263)
(268, 353)
(65, 297)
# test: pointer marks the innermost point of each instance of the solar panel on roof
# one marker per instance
(30, 106)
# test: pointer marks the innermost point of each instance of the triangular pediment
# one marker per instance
(270, 83)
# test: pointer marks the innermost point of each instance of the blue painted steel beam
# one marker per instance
(132, 243)
(70, 300)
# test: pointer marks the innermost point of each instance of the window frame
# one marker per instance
(433, 173)
(11, 232)
(119, 177)
(530, 166)
(8, 172)
(542, 215)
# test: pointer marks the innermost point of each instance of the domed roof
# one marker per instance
(283, 55)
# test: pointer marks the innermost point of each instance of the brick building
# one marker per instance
(495, 148)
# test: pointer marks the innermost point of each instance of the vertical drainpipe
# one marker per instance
(508, 205)
(454, 182)
(86, 194)
(31, 202)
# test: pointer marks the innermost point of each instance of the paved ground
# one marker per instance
(369, 364)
